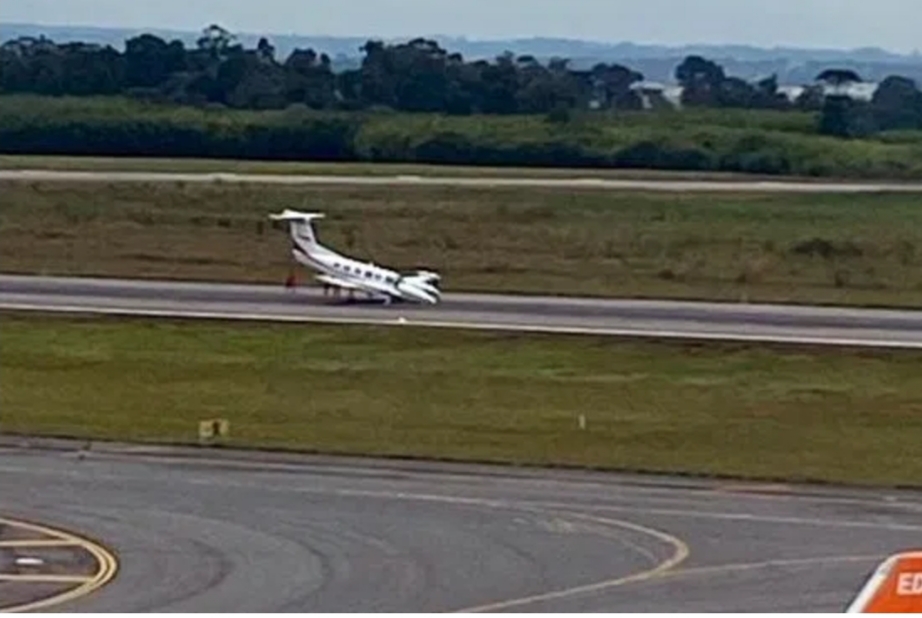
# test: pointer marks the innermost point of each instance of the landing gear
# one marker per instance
(331, 291)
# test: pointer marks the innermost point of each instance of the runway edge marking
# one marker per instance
(508, 327)
(108, 567)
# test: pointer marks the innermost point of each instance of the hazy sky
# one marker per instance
(890, 24)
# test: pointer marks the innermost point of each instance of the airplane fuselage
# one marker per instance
(335, 269)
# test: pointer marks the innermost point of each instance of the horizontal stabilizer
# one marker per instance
(295, 215)
(428, 274)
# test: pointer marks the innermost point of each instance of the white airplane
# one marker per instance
(344, 273)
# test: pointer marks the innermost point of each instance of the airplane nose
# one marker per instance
(422, 296)
(420, 292)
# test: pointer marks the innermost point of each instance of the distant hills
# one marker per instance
(657, 62)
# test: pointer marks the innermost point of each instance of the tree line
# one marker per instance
(418, 76)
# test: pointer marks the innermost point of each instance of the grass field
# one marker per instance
(842, 249)
(736, 410)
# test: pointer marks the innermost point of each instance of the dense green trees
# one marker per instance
(415, 76)
(699, 139)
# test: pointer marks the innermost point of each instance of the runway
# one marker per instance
(612, 184)
(655, 319)
(202, 531)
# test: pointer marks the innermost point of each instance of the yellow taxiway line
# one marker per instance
(43, 578)
(108, 566)
(20, 543)
(680, 553)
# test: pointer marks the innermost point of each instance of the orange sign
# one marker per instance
(894, 588)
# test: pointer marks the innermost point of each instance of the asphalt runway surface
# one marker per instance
(202, 532)
(656, 319)
(614, 184)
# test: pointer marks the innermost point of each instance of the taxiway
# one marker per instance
(197, 531)
(611, 184)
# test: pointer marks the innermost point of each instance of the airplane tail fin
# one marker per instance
(894, 587)
(299, 226)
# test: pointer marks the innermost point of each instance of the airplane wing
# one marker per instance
(339, 283)
(371, 287)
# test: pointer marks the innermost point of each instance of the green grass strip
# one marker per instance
(817, 249)
(738, 410)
